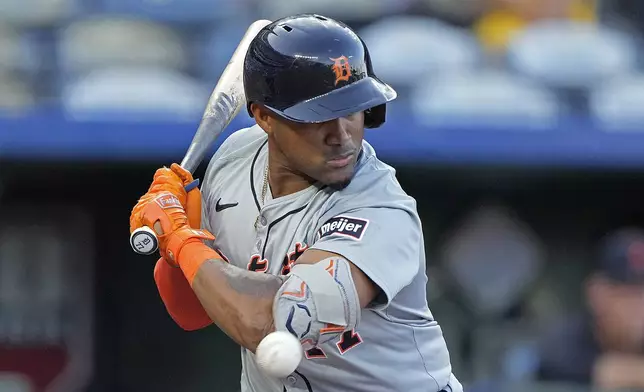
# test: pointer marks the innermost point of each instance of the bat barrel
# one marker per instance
(226, 100)
(222, 108)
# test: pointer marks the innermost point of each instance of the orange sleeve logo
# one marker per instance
(341, 68)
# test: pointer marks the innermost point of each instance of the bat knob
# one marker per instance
(144, 241)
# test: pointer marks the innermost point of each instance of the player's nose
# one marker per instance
(338, 132)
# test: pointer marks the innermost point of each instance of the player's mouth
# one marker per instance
(340, 161)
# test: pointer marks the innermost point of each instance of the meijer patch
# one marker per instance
(344, 225)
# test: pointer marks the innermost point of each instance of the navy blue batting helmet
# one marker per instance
(309, 68)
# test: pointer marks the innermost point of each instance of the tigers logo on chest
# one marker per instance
(258, 264)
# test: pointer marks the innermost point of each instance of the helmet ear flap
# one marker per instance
(375, 116)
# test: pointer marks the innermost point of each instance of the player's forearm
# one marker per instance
(240, 302)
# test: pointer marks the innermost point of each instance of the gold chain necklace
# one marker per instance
(264, 190)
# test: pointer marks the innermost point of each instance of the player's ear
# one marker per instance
(262, 117)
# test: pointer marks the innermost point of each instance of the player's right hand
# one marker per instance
(193, 201)
(166, 180)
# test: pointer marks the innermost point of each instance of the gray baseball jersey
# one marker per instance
(398, 346)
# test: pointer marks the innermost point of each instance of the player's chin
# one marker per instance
(340, 185)
(339, 178)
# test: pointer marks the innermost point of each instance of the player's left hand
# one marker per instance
(164, 214)
(164, 180)
(172, 180)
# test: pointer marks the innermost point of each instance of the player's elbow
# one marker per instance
(253, 329)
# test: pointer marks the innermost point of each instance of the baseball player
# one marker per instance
(302, 228)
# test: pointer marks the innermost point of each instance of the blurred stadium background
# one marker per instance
(518, 128)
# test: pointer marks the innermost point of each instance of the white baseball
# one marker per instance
(279, 354)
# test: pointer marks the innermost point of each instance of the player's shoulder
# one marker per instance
(374, 185)
(374, 180)
(236, 151)
(240, 143)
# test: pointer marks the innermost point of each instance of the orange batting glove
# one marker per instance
(193, 200)
(175, 291)
(164, 180)
(174, 181)
(166, 216)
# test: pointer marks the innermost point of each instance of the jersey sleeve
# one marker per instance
(384, 243)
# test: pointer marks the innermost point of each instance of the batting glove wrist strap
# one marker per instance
(176, 240)
(186, 249)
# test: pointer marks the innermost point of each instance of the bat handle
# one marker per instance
(144, 240)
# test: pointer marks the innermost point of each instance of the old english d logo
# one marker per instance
(341, 69)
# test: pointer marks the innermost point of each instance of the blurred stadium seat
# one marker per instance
(483, 97)
(182, 11)
(138, 93)
(17, 52)
(461, 12)
(16, 96)
(355, 10)
(618, 103)
(217, 47)
(34, 13)
(492, 239)
(406, 48)
(570, 55)
(104, 42)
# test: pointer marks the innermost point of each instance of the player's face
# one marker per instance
(326, 152)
